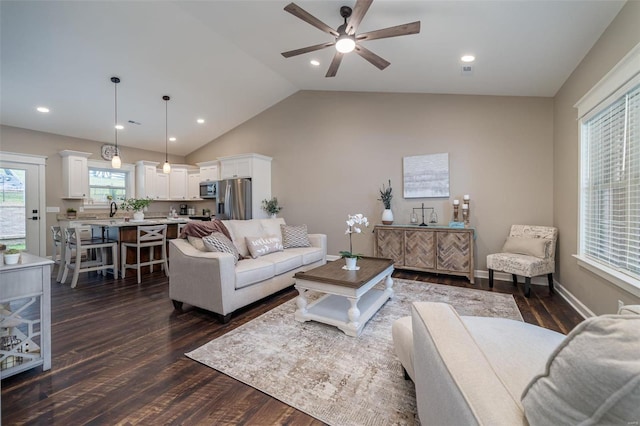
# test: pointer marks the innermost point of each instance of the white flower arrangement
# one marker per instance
(352, 222)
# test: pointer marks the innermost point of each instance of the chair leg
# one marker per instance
(138, 263)
(76, 269)
(550, 279)
(490, 278)
(164, 256)
(527, 286)
(67, 260)
(515, 279)
(114, 256)
(123, 261)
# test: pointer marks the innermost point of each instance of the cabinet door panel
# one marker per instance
(420, 249)
(390, 245)
(454, 250)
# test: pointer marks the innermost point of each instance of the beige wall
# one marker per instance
(332, 151)
(622, 35)
(14, 139)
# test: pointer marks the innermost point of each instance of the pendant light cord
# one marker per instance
(166, 131)
(115, 86)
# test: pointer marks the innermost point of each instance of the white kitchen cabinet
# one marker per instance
(75, 174)
(178, 183)
(193, 185)
(209, 171)
(162, 186)
(146, 179)
(254, 166)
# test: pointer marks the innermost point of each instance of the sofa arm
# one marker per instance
(202, 279)
(455, 383)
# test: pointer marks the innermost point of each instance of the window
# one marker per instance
(609, 230)
(105, 182)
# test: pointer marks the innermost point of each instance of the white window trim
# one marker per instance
(624, 76)
(131, 173)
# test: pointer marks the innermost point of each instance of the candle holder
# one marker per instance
(456, 212)
(465, 215)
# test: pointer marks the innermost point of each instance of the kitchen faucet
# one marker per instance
(113, 208)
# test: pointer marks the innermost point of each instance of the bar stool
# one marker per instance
(74, 247)
(58, 250)
(148, 236)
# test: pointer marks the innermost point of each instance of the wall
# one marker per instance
(14, 139)
(624, 33)
(333, 151)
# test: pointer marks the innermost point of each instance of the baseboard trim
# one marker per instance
(542, 280)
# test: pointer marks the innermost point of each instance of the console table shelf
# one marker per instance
(436, 249)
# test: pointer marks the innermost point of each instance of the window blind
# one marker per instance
(610, 226)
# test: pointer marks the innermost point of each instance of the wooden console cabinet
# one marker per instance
(437, 249)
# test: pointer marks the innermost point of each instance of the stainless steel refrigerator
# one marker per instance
(233, 199)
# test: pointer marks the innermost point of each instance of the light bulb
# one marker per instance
(116, 162)
(345, 44)
(166, 168)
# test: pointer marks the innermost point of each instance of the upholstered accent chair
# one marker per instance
(529, 251)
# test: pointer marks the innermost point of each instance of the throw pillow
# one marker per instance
(217, 241)
(294, 236)
(529, 246)
(196, 242)
(259, 246)
(593, 377)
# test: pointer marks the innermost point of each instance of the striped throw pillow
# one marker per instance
(294, 236)
(217, 241)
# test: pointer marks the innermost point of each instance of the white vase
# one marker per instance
(274, 215)
(387, 217)
(138, 215)
(11, 259)
(350, 263)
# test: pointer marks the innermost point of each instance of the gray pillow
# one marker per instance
(294, 236)
(259, 246)
(217, 241)
(593, 377)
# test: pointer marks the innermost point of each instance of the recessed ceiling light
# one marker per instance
(119, 126)
(172, 139)
(42, 109)
(468, 58)
(200, 120)
(314, 62)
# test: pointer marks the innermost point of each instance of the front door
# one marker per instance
(21, 197)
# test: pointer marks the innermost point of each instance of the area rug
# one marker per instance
(335, 378)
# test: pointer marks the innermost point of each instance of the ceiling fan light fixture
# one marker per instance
(345, 43)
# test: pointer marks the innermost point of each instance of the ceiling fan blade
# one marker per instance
(398, 30)
(335, 63)
(308, 49)
(358, 13)
(296, 10)
(372, 57)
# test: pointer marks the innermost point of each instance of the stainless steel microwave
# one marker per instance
(208, 189)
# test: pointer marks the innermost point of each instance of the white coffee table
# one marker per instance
(349, 299)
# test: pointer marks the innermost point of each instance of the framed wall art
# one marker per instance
(426, 176)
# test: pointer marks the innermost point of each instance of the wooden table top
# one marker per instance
(332, 272)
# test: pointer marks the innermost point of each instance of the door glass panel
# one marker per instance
(12, 208)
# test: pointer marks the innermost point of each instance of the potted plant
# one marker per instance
(11, 256)
(350, 257)
(271, 206)
(71, 213)
(137, 205)
(385, 197)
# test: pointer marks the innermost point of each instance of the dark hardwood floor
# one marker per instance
(118, 357)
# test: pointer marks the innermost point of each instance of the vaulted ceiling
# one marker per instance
(220, 60)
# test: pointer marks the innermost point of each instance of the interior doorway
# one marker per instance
(22, 203)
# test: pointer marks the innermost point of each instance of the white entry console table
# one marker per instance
(25, 315)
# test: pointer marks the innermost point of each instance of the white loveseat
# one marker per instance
(211, 280)
(496, 371)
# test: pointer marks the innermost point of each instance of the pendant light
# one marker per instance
(167, 167)
(115, 160)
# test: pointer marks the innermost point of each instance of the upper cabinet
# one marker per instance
(209, 171)
(237, 166)
(162, 185)
(75, 174)
(146, 181)
(193, 185)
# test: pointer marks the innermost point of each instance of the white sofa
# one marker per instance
(211, 280)
(495, 371)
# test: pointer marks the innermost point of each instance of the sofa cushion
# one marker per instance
(196, 242)
(284, 261)
(271, 226)
(217, 241)
(309, 254)
(593, 377)
(251, 271)
(259, 246)
(529, 246)
(239, 229)
(294, 236)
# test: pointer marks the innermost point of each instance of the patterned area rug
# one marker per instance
(335, 378)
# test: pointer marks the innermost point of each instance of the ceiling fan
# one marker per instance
(346, 39)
